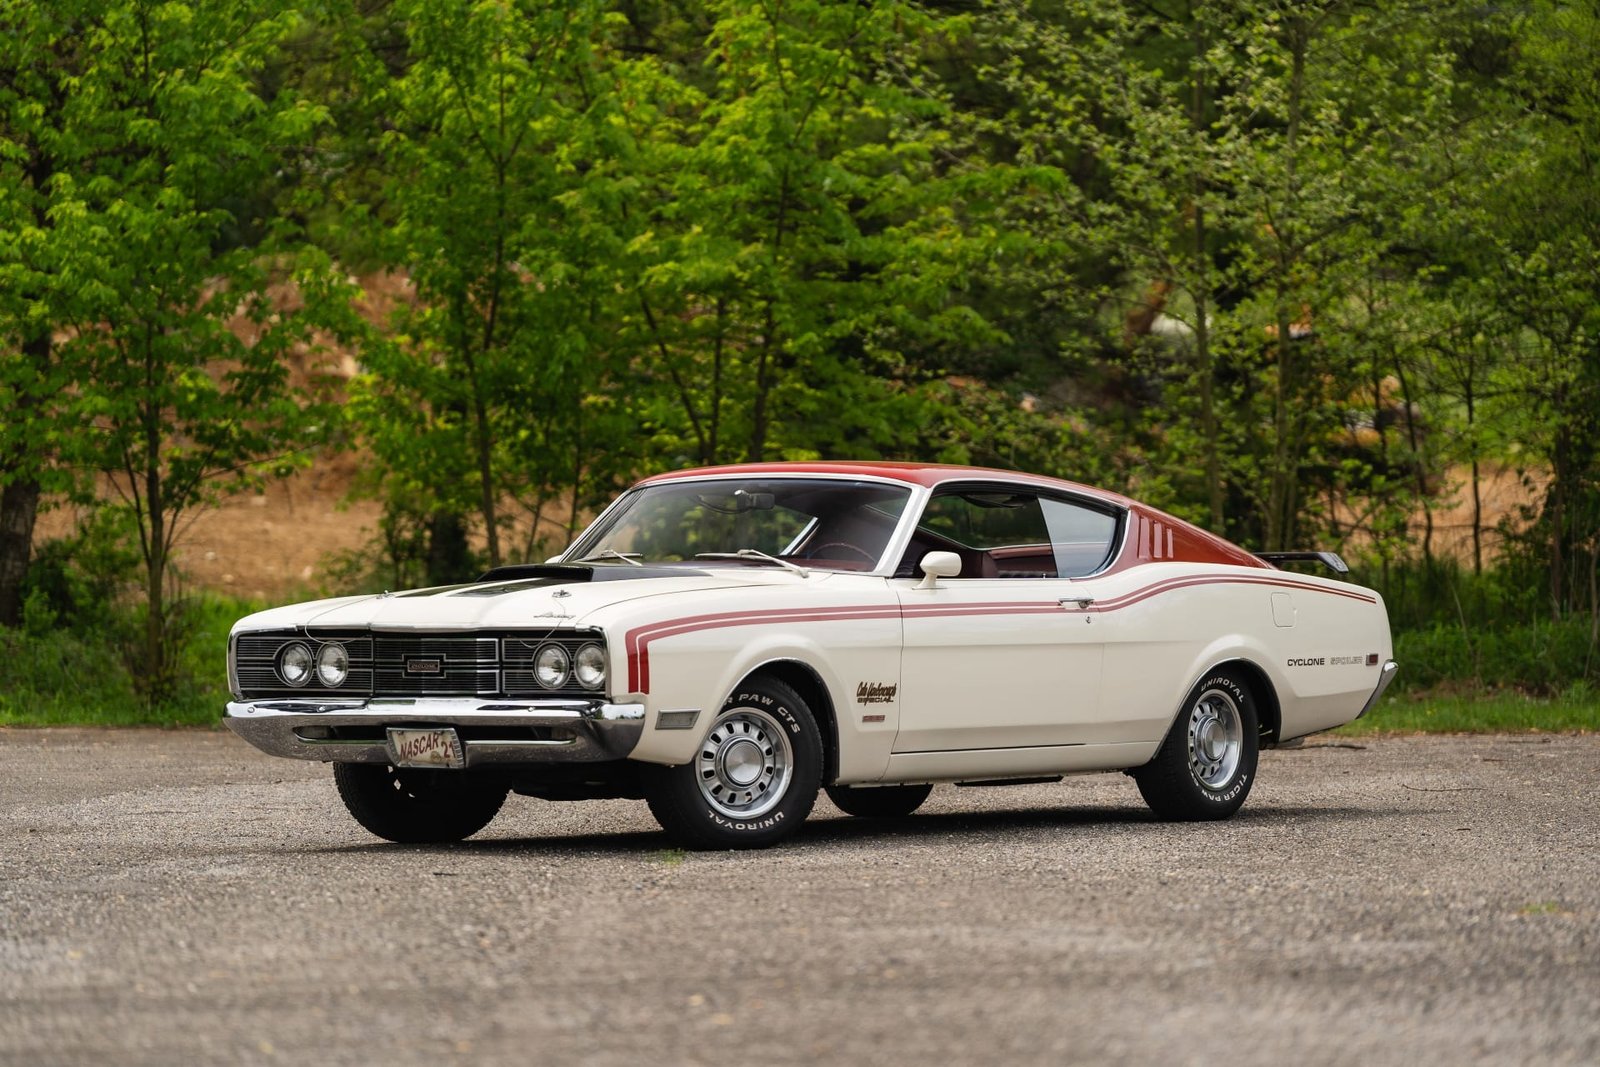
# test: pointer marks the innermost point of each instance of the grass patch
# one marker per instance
(60, 677)
(1575, 711)
(1543, 907)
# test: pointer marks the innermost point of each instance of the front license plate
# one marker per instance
(425, 748)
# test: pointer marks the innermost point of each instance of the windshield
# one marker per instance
(819, 522)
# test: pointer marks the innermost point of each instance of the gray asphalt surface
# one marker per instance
(170, 898)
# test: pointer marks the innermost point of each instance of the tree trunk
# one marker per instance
(715, 416)
(485, 449)
(157, 683)
(1557, 514)
(1200, 292)
(1477, 480)
(1282, 503)
(19, 500)
(758, 409)
(19, 506)
(1280, 491)
(483, 452)
(768, 353)
(1419, 466)
(449, 560)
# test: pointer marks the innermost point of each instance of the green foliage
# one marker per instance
(471, 399)
(1540, 658)
(82, 674)
(1457, 631)
(75, 582)
(135, 133)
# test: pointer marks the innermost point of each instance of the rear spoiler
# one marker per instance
(1330, 560)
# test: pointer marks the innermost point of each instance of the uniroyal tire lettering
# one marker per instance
(1222, 681)
(761, 824)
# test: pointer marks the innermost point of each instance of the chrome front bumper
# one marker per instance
(491, 731)
(1384, 679)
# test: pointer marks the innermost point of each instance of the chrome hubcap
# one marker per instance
(745, 765)
(1216, 738)
(743, 762)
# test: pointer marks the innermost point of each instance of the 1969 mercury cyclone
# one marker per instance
(725, 642)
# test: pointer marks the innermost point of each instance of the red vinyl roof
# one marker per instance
(928, 474)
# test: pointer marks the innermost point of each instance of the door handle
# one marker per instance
(1082, 602)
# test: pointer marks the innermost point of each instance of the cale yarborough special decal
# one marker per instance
(876, 693)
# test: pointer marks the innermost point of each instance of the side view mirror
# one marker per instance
(936, 565)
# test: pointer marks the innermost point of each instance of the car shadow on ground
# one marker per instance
(830, 831)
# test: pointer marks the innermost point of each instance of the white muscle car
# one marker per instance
(725, 642)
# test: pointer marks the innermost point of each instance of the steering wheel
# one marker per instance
(816, 553)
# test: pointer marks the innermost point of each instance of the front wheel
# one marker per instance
(418, 806)
(1207, 764)
(754, 779)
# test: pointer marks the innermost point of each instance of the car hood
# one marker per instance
(537, 600)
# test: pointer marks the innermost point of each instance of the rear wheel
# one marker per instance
(754, 779)
(1207, 764)
(879, 802)
(418, 806)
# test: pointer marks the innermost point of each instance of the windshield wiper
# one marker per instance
(629, 558)
(756, 554)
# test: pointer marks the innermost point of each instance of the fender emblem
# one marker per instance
(876, 693)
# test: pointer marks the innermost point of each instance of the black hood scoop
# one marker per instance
(562, 573)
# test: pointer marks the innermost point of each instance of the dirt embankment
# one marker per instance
(276, 544)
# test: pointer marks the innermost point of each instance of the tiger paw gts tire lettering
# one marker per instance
(754, 778)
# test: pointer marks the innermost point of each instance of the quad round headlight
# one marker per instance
(333, 664)
(550, 666)
(590, 667)
(295, 664)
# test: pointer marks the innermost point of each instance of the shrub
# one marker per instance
(1540, 658)
(81, 675)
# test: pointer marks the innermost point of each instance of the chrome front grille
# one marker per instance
(478, 663)
(436, 665)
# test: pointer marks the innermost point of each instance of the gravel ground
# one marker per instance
(176, 898)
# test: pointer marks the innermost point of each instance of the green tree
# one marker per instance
(1550, 280)
(491, 363)
(41, 218)
(178, 349)
(797, 247)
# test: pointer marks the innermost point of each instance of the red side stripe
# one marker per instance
(637, 641)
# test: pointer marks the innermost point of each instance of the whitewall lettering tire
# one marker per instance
(753, 780)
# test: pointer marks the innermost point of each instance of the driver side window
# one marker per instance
(1008, 534)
